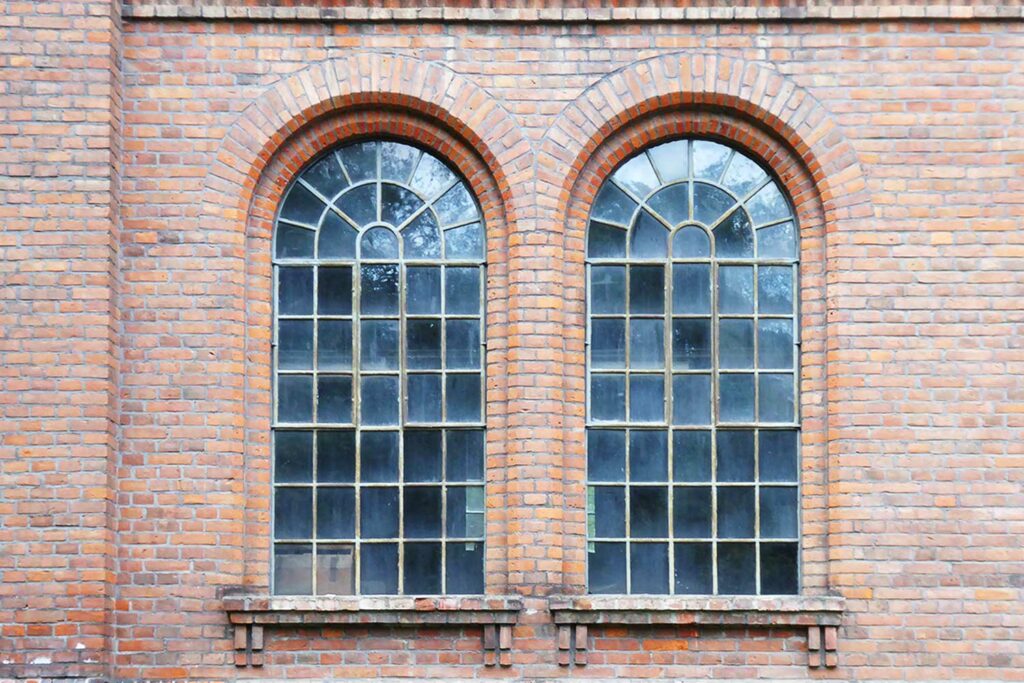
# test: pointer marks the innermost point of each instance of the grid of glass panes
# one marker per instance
(378, 349)
(692, 440)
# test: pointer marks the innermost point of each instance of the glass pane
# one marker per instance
(735, 511)
(777, 453)
(335, 569)
(775, 398)
(691, 288)
(735, 455)
(465, 512)
(295, 398)
(379, 400)
(606, 568)
(379, 243)
(336, 512)
(378, 514)
(691, 343)
(691, 242)
(397, 161)
(422, 457)
(648, 511)
(465, 242)
(379, 345)
(605, 241)
(609, 509)
(293, 242)
(648, 455)
(709, 159)
(637, 176)
(691, 512)
(743, 175)
(336, 456)
(710, 204)
(295, 345)
(778, 241)
(422, 569)
(691, 399)
(302, 206)
(424, 399)
(608, 343)
(326, 176)
(462, 344)
(693, 569)
(673, 204)
(379, 294)
(334, 291)
(378, 457)
(378, 569)
(646, 343)
(734, 237)
(360, 160)
(613, 205)
(337, 238)
(423, 290)
(779, 512)
(608, 289)
(423, 340)
(646, 398)
(359, 204)
(397, 204)
(649, 237)
(293, 569)
(464, 568)
(779, 573)
(736, 343)
(691, 456)
(608, 397)
(465, 455)
(648, 564)
(768, 205)
(456, 206)
(422, 238)
(736, 289)
(462, 396)
(775, 343)
(462, 291)
(334, 350)
(736, 569)
(671, 159)
(293, 456)
(334, 399)
(646, 289)
(431, 177)
(293, 512)
(295, 291)
(422, 513)
(775, 289)
(606, 455)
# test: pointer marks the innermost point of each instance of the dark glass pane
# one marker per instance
(295, 345)
(422, 514)
(775, 343)
(648, 455)
(337, 237)
(462, 396)
(646, 398)
(710, 203)
(431, 177)
(606, 568)
(736, 569)
(736, 398)
(423, 344)
(605, 241)
(648, 511)
(422, 238)
(735, 455)
(637, 176)
(424, 398)
(691, 512)
(671, 159)
(378, 513)
(397, 161)
(456, 206)
(423, 293)
(608, 397)
(466, 242)
(293, 569)
(736, 289)
(379, 294)
(709, 159)
(379, 400)
(295, 398)
(691, 343)
(648, 564)
(326, 176)
(646, 343)
(606, 455)
(378, 569)
(359, 204)
(334, 399)
(693, 569)
(777, 241)
(673, 204)
(612, 204)
(422, 570)
(378, 456)
(462, 344)
(779, 512)
(734, 237)
(334, 351)
(422, 455)
(691, 399)
(334, 291)
(775, 289)
(608, 343)
(775, 398)
(465, 454)
(335, 512)
(293, 242)
(768, 205)
(293, 512)
(736, 343)
(609, 511)
(777, 455)
(380, 346)
(336, 456)
(295, 291)
(779, 572)
(647, 289)
(360, 160)
(649, 237)
(397, 204)
(691, 242)
(743, 175)
(378, 243)
(691, 288)
(465, 512)
(462, 291)
(464, 568)
(608, 289)
(735, 511)
(293, 456)
(302, 206)
(335, 569)
(691, 455)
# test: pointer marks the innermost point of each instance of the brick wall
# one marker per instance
(901, 141)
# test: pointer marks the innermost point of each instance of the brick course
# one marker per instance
(142, 159)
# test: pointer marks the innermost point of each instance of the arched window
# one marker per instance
(378, 367)
(692, 360)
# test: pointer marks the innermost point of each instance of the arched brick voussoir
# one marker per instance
(686, 80)
(367, 79)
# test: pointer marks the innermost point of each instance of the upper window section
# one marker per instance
(379, 380)
(692, 398)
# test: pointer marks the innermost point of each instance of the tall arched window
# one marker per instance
(692, 355)
(378, 356)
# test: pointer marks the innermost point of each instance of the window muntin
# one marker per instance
(378, 425)
(693, 338)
